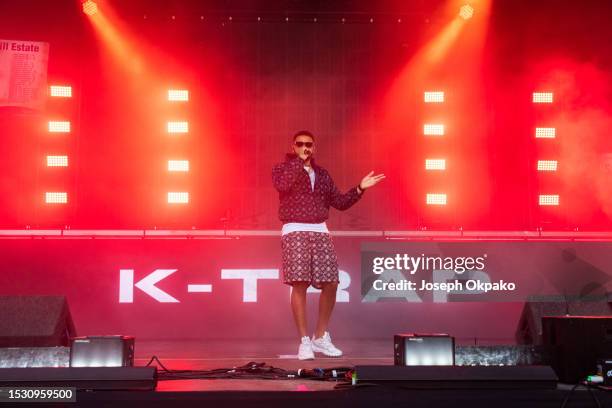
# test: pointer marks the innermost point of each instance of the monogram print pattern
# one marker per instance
(298, 202)
(309, 257)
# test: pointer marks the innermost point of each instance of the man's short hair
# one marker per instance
(303, 133)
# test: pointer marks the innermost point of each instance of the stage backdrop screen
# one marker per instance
(231, 287)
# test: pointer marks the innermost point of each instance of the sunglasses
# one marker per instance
(307, 144)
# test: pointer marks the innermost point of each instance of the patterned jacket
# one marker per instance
(298, 203)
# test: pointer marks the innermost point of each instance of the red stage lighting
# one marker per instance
(435, 164)
(549, 199)
(178, 95)
(60, 91)
(433, 97)
(90, 7)
(542, 97)
(546, 133)
(59, 126)
(56, 198)
(431, 129)
(178, 127)
(57, 161)
(436, 199)
(178, 197)
(466, 12)
(547, 165)
(178, 165)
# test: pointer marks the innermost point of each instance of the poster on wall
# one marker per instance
(23, 73)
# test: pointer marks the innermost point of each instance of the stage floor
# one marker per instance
(213, 354)
(208, 354)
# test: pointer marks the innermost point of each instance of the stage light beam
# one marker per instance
(545, 133)
(436, 199)
(178, 127)
(178, 95)
(547, 165)
(433, 97)
(549, 199)
(430, 129)
(542, 97)
(435, 164)
(60, 91)
(90, 7)
(56, 197)
(466, 12)
(59, 126)
(57, 161)
(180, 197)
(178, 165)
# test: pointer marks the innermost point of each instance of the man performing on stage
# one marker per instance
(306, 190)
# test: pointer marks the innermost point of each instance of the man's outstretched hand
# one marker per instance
(370, 180)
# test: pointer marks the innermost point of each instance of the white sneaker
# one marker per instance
(305, 350)
(325, 346)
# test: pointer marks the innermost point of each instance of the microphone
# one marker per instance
(310, 372)
(307, 152)
(335, 372)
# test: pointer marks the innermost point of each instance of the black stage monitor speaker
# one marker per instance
(453, 377)
(529, 329)
(577, 344)
(102, 351)
(423, 349)
(35, 321)
(82, 378)
(604, 368)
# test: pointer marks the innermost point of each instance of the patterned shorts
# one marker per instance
(309, 257)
